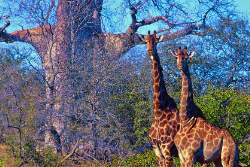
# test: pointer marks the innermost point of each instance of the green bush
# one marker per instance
(1, 163)
(244, 156)
(148, 158)
(227, 108)
(50, 159)
(230, 109)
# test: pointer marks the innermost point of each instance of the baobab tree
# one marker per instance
(77, 36)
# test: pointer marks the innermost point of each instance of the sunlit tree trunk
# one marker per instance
(72, 38)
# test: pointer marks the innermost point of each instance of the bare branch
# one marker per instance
(72, 152)
(32, 36)
(162, 30)
(49, 11)
(140, 4)
(2, 29)
(198, 33)
(183, 11)
(210, 9)
(155, 19)
(187, 30)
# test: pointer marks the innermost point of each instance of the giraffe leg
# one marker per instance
(204, 165)
(158, 155)
(227, 157)
(163, 157)
(186, 159)
(168, 161)
(228, 151)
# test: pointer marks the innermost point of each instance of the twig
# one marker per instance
(72, 152)
(5, 25)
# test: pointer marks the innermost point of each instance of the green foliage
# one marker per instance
(177, 163)
(141, 120)
(244, 156)
(146, 159)
(230, 109)
(20, 105)
(227, 108)
(133, 109)
(50, 159)
(44, 158)
(1, 163)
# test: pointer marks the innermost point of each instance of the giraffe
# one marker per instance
(166, 115)
(197, 139)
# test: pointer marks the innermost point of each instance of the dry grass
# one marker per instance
(6, 160)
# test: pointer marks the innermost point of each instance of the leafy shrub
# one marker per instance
(227, 108)
(1, 163)
(146, 159)
(244, 156)
(230, 109)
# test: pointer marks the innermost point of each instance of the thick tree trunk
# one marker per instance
(73, 42)
(57, 76)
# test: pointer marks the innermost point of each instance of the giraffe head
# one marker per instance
(151, 41)
(181, 55)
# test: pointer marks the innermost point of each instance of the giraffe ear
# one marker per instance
(173, 53)
(191, 54)
(160, 38)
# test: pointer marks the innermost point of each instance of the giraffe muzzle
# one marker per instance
(179, 67)
(150, 52)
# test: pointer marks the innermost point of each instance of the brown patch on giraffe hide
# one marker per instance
(195, 145)
(161, 131)
(155, 96)
(158, 113)
(169, 116)
(168, 131)
(156, 87)
(155, 65)
(157, 105)
(185, 82)
(163, 123)
(162, 118)
(207, 127)
(162, 138)
(157, 79)
(153, 134)
(184, 141)
(203, 133)
(190, 136)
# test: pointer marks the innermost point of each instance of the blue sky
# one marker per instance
(243, 7)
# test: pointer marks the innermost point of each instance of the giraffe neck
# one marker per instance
(186, 92)
(161, 99)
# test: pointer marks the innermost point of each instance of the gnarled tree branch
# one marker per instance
(2, 29)
(119, 44)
